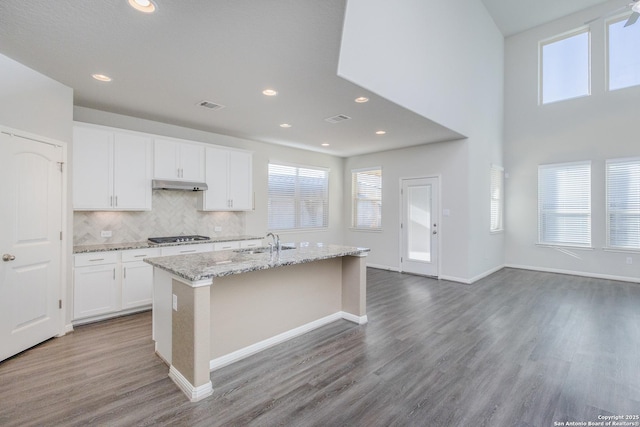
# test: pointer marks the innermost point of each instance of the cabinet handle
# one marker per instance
(139, 256)
(116, 201)
(125, 272)
(185, 252)
(178, 173)
(111, 201)
(96, 259)
(114, 273)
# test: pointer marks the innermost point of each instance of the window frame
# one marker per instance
(612, 21)
(608, 245)
(354, 200)
(297, 198)
(587, 211)
(499, 200)
(557, 38)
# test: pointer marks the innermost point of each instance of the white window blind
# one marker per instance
(623, 203)
(298, 197)
(564, 204)
(497, 198)
(366, 187)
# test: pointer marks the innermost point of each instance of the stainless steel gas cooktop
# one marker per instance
(178, 239)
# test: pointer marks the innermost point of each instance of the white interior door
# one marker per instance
(30, 225)
(420, 249)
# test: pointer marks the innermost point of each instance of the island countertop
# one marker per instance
(207, 265)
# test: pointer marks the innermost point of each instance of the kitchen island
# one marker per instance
(212, 309)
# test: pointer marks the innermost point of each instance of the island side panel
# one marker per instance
(354, 285)
(250, 307)
(190, 339)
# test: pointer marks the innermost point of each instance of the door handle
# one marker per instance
(8, 257)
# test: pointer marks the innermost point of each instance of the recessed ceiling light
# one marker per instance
(269, 92)
(146, 6)
(361, 99)
(380, 132)
(101, 77)
(285, 125)
(325, 144)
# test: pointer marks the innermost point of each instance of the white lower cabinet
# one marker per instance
(107, 283)
(137, 278)
(96, 284)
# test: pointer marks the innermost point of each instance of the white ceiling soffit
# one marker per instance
(164, 64)
(515, 16)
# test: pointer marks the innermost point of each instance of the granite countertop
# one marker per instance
(207, 265)
(146, 244)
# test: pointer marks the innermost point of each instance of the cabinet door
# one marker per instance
(96, 290)
(165, 159)
(132, 172)
(240, 180)
(137, 284)
(92, 169)
(216, 197)
(191, 162)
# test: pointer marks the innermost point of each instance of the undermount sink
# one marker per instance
(261, 250)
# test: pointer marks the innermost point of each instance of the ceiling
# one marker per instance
(226, 52)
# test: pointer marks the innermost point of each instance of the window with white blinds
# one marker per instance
(298, 197)
(497, 198)
(564, 204)
(623, 203)
(366, 188)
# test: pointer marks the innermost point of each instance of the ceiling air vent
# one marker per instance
(337, 119)
(210, 105)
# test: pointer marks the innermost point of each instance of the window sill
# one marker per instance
(552, 246)
(621, 250)
(366, 230)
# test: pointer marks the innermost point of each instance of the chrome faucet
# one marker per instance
(276, 242)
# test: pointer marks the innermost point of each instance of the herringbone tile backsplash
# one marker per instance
(174, 213)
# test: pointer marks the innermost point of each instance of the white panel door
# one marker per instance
(420, 226)
(165, 159)
(137, 284)
(96, 290)
(31, 221)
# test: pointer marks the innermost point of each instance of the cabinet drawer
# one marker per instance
(187, 249)
(139, 254)
(251, 244)
(226, 246)
(95, 258)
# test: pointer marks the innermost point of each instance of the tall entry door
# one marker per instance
(419, 254)
(30, 246)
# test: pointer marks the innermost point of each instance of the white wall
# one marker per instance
(596, 128)
(33, 102)
(447, 160)
(445, 62)
(256, 221)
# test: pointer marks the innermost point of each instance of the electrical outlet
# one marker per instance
(629, 260)
(217, 228)
(175, 302)
(106, 233)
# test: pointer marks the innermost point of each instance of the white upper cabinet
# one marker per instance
(230, 180)
(176, 160)
(111, 170)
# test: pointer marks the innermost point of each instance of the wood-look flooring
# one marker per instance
(518, 348)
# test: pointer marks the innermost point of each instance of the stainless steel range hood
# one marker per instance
(165, 184)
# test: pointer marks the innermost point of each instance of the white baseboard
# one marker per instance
(576, 273)
(383, 267)
(193, 393)
(237, 355)
(359, 320)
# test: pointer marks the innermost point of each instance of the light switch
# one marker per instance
(175, 302)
